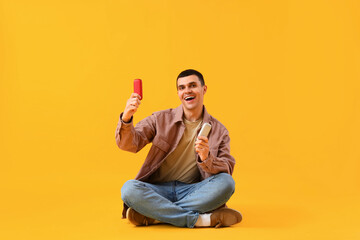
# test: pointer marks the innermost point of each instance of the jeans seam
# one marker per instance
(195, 220)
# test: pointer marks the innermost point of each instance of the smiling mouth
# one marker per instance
(189, 98)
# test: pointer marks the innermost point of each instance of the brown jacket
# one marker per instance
(165, 129)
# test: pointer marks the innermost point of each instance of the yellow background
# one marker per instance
(282, 76)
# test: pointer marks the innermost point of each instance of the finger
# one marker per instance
(202, 144)
(135, 95)
(131, 111)
(202, 138)
(133, 108)
(134, 102)
(201, 151)
(199, 148)
(199, 141)
(131, 105)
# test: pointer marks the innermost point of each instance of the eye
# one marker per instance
(193, 85)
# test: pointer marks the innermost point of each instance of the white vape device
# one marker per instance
(205, 129)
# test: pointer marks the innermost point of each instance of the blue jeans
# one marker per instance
(178, 203)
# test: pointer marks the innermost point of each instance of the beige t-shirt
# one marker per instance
(180, 165)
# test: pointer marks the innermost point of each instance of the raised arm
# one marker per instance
(128, 137)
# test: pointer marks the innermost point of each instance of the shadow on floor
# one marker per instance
(271, 216)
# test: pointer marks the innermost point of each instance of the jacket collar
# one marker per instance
(179, 112)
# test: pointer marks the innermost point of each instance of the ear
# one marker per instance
(205, 88)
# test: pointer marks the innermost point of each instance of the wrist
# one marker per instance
(126, 119)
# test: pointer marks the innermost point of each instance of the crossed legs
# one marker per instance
(178, 203)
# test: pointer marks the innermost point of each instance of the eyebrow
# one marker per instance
(187, 84)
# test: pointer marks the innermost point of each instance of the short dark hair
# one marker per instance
(189, 72)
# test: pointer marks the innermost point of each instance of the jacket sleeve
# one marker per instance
(133, 139)
(222, 162)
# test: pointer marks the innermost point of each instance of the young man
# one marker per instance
(185, 179)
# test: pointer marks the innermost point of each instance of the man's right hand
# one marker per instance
(131, 107)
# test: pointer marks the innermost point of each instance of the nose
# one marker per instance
(188, 90)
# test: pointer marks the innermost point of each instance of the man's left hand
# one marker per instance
(202, 147)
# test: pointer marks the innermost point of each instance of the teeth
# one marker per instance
(188, 98)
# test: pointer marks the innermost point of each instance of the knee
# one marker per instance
(227, 183)
(128, 191)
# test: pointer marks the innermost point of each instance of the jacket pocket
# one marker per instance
(162, 144)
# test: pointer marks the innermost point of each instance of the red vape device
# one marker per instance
(138, 87)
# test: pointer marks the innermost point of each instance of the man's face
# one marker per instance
(190, 92)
